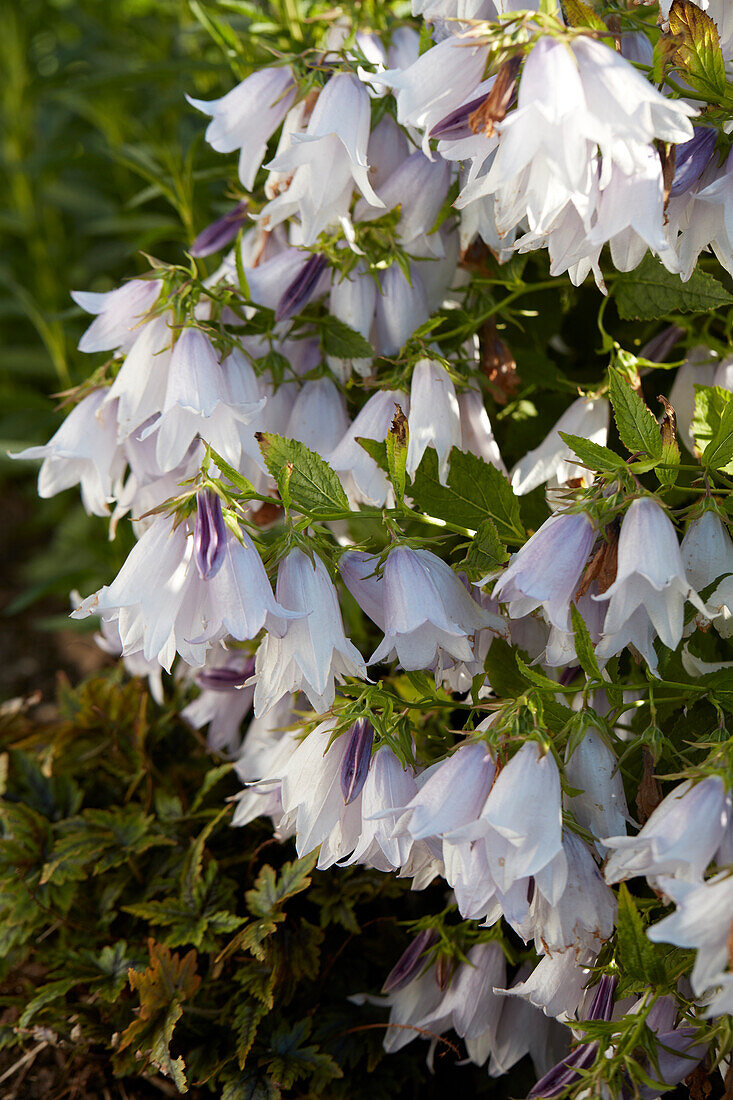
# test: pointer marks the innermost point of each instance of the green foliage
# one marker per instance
(698, 50)
(712, 426)
(475, 491)
(635, 421)
(311, 483)
(650, 291)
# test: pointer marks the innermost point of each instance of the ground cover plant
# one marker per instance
(411, 429)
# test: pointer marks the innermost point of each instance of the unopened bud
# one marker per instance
(410, 962)
(300, 290)
(220, 233)
(445, 966)
(209, 535)
(356, 761)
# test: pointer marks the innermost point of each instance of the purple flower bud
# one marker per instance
(356, 759)
(565, 1073)
(410, 962)
(658, 348)
(677, 1056)
(209, 535)
(299, 291)
(692, 159)
(226, 678)
(455, 125)
(220, 233)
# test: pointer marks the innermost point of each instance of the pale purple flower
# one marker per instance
(426, 182)
(556, 984)
(318, 417)
(565, 1073)
(401, 307)
(299, 292)
(119, 312)
(702, 921)
(547, 570)
(692, 158)
(434, 419)
(220, 233)
(388, 787)
(201, 399)
(358, 572)
(707, 555)
(336, 136)
(477, 435)
(353, 300)
(410, 962)
(313, 651)
(223, 701)
(363, 480)
(139, 387)
(429, 617)
(454, 794)
(355, 766)
(247, 117)
(593, 769)
(83, 451)
(650, 582)
(680, 838)
(553, 460)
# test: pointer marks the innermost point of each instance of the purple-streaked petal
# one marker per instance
(355, 765)
(220, 233)
(411, 962)
(209, 535)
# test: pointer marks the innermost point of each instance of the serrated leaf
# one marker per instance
(712, 426)
(48, 993)
(246, 1020)
(534, 677)
(343, 342)
(579, 14)
(476, 491)
(270, 891)
(637, 955)
(584, 648)
(635, 421)
(650, 292)
(486, 552)
(250, 1085)
(593, 454)
(292, 1061)
(376, 449)
(314, 487)
(698, 50)
(396, 445)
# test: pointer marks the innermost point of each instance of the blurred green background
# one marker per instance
(97, 155)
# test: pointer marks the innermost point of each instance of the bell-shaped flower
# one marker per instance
(313, 651)
(707, 555)
(546, 571)
(680, 838)
(698, 369)
(358, 572)
(556, 984)
(453, 795)
(267, 747)
(155, 598)
(594, 771)
(583, 917)
(353, 299)
(434, 419)
(429, 617)
(387, 789)
(224, 700)
(553, 460)
(139, 387)
(318, 417)
(650, 581)
(434, 85)
(83, 451)
(363, 480)
(118, 313)
(336, 135)
(477, 435)
(702, 921)
(201, 399)
(402, 306)
(427, 181)
(247, 117)
(522, 819)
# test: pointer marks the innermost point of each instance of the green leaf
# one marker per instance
(502, 670)
(593, 454)
(396, 443)
(245, 1021)
(486, 552)
(476, 491)
(584, 645)
(712, 427)
(579, 14)
(270, 892)
(650, 292)
(313, 485)
(292, 1061)
(544, 683)
(376, 449)
(698, 52)
(250, 1085)
(48, 993)
(343, 342)
(636, 423)
(637, 956)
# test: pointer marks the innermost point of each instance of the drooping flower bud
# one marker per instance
(209, 535)
(692, 158)
(410, 962)
(220, 233)
(356, 761)
(298, 293)
(226, 678)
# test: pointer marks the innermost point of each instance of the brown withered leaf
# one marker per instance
(495, 106)
(603, 566)
(649, 794)
(399, 426)
(267, 513)
(699, 1082)
(668, 427)
(668, 157)
(497, 365)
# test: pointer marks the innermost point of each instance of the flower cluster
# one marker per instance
(444, 662)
